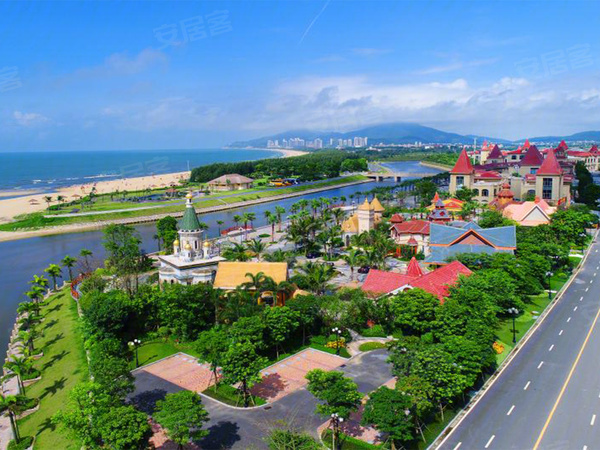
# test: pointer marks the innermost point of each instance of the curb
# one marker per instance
(454, 423)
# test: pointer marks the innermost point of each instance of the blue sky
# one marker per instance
(104, 75)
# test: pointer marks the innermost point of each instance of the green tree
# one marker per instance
(414, 311)
(242, 365)
(55, 272)
(390, 411)
(420, 393)
(69, 262)
(211, 346)
(86, 255)
(279, 212)
(81, 418)
(112, 374)
(122, 244)
(337, 394)
(13, 405)
(285, 439)
(19, 367)
(236, 252)
(307, 308)
(465, 194)
(166, 230)
(493, 218)
(280, 322)
(125, 428)
(182, 415)
(257, 247)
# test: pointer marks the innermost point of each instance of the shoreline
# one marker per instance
(30, 201)
(442, 167)
(6, 236)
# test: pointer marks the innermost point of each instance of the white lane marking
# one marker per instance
(510, 410)
(561, 332)
(595, 273)
(575, 309)
(457, 446)
(551, 347)
(540, 364)
(490, 441)
(529, 382)
(568, 320)
(593, 420)
(587, 289)
(591, 281)
(585, 447)
(581, 299)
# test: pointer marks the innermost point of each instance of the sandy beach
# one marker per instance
(29, 203)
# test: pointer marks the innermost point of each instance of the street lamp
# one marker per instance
(336, 420)
(338, 334)
(514, 312)
(582, 235)
(134, 345)
(548, 276)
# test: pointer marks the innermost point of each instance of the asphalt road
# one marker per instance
(548, 397)
(232, 428)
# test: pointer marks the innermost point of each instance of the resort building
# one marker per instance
(364, 219)
(193, 260)
(528, 214)
(591, 158)
(230, 182)
(414, 233)
(531, 176)
(232, 274)
(448, 241)
(436, 282)
(452, 205)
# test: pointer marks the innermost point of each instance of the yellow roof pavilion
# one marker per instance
(231, 274)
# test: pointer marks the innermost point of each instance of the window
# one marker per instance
(460, 181)
(485, 193)
(533, 170)
(547, 188)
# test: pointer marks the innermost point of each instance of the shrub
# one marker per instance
(321, 340)
(25, 443)
(375, 331)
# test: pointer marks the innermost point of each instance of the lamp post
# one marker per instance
(514, 312)
(336, 420)
(338, 334)
(582, 235)
(134, 345)
(548, 276)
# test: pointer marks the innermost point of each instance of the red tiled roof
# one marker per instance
(414, 269)
(526, 145)
(594, 149)
(563, 145)
(533, 157)
(381, 282)
(515, 152)
(412, 227)
(495, 153)
(578, 154)
(550, 166)
(438, 281)
(463, 164)
(396, 218)
(488, 174)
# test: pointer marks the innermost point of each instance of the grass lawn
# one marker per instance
(63, 365)
(230, 395)
(368, 346)
(348, 442)
(158, 349)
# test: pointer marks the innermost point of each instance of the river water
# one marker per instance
(21, 259)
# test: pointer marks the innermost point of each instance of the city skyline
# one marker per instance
(187, 75)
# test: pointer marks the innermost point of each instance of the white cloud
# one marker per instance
(370, 52)
(456, 65)
(26, 119)
(123, 64)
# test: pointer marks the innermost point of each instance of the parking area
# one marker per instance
(287, 375)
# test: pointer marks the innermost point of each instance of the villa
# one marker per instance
(529, 174)
(452, 205)
(230, 182)
(529, 214)
(193, 260)
(447, 241)
(436, 282)
(414, 233)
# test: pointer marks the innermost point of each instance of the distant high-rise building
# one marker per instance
(318, 143)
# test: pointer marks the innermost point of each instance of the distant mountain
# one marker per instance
(581, 136)
(390, 133)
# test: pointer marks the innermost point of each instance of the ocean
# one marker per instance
(47, 171)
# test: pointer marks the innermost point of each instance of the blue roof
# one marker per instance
(445, 235)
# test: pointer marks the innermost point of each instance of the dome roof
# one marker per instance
(176, 242)
(188, 246)
(189, 196)
(206, 244)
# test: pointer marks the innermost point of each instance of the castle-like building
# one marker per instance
(529, 175)
(193, 260)
(364, 219)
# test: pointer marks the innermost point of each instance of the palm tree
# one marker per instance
(268, 214)
(32, 308)
(86, 254)
(257, 282)
(303, 204)
(36, 294)
(220, 223)
(338, 215)
(28, 338)
(247, 217)
(60, 199)
(54, 271)
(257, 247)
(69, 262)
(318, 276)
(237, 252)
(13, 405)
(354, 259)
(19, 366)
(29, 321)
(279, 212)
(343, 199)
(237, 219)
(315, 204)
(48, 200)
